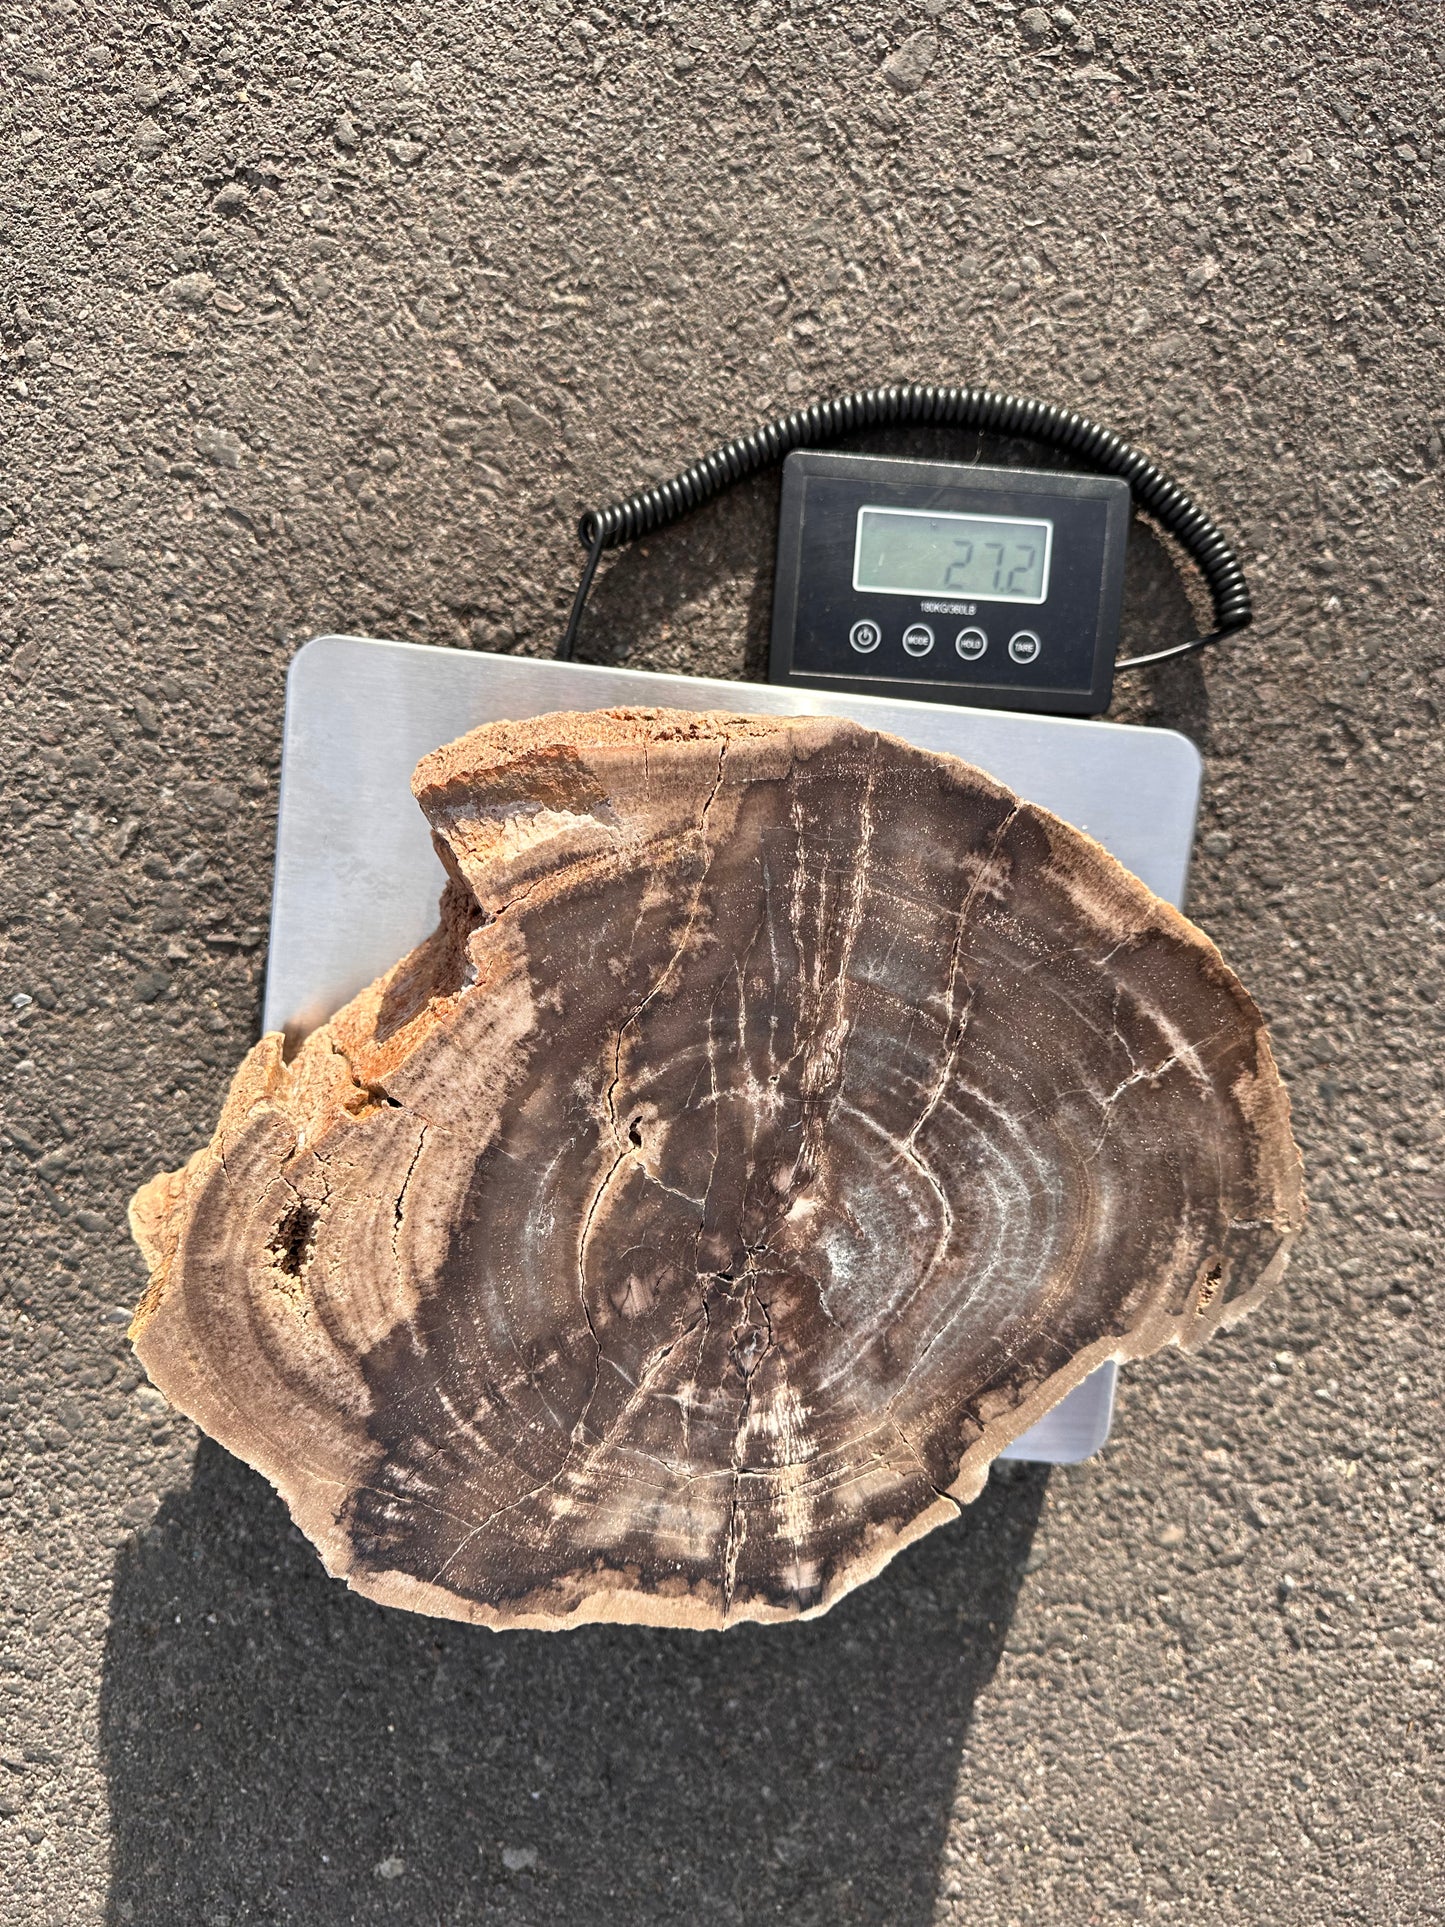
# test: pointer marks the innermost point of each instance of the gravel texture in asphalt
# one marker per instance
(331, 318)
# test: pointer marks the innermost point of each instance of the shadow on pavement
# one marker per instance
(643, 592)
(279, 1750)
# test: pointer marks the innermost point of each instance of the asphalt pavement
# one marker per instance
(331, 318)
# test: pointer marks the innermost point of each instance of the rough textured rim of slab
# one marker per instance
(345, 1230)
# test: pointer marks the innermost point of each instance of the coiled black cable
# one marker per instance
(913, 403)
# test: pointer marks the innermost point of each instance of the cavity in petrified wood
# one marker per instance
(780, 1120)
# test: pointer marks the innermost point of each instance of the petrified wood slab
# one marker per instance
(779, 1121)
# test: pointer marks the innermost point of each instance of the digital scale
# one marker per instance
(970, 610)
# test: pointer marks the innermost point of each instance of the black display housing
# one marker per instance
(1056, 656)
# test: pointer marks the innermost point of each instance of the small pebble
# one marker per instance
(220, 445)
(525, 419)
(515, 1859)
(906, 68)
(1205, 270)
(392, 1868)
(1034, 25)
(191, 290)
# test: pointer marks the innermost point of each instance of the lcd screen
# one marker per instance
(986, 558)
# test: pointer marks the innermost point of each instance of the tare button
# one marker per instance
(1024, 646)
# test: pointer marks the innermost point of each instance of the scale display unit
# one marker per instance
(357, 881)
(947, 583)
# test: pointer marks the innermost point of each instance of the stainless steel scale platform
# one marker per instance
(357, 880)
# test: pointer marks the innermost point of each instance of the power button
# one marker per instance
(865, 637)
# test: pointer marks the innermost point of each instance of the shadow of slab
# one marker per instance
(279, 1750)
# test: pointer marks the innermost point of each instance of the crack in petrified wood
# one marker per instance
(779, 1120)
